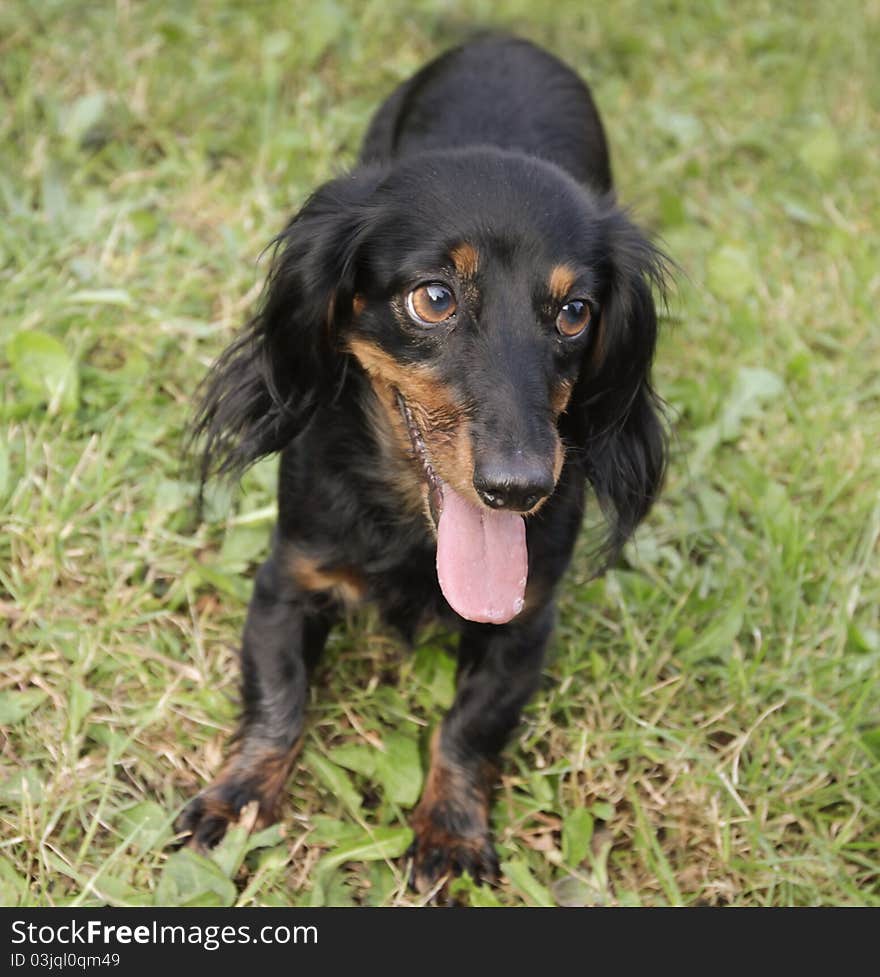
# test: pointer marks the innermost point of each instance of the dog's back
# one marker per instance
(496, 91)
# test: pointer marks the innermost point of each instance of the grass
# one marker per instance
(709, 728)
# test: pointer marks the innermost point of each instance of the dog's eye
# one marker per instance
(573, 318)
(430, 304)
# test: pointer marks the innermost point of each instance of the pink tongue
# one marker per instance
(482, 564)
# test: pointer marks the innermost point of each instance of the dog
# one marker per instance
(455, 340)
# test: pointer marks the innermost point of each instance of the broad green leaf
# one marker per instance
(717, 640)
(79, 705)
(672, 209)
(380, 843)
(21, 783)
(520, 877)
(319, 24)
(483, 897)
(800, 211)
(753, 388)
(172, 495)
(464, 889)
(242, 545)
(602, 810)
(217, 499)
(276, 44)
(399, 769)
(862, 639)
(146, 825)
(44, 368)
(334, 779)
(730, 273)
(119, 892)
(232, 584)
(713, 506)
(354, 756)
(191, 879)
(684, 128)
(542, 790)
(338, 892)
(14, 706)
(382, 884)
(116, 742)
(820, 152)
(240, 840)
(572, 891)
(267, 838)
(332, 831)
(443, 683)
(102, 296)
(262, 481)
(84, 114)
(871, 739)
(390, 702)
(435, 669)
(230, 853)
(577, 832)
(780, 514)
(53, 194)
(13, 888)
(145, 221)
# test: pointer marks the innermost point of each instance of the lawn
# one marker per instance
(709, 728)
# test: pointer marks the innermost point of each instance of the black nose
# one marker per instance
(519, 483)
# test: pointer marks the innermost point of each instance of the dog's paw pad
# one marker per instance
(438, 858)
(205, 820)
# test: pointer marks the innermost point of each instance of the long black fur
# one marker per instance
(498, 143)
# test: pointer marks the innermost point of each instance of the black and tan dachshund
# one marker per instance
(455, 339)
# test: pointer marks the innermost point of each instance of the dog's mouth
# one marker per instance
(482, 561)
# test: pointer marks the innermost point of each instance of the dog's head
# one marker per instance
(503, 315)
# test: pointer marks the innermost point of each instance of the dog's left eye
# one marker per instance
(573, 318)
(431, 304)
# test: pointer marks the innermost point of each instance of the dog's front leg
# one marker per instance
(499, 669)
(283, 637)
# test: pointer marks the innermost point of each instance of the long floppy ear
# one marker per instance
(617, 414)
(263, 390)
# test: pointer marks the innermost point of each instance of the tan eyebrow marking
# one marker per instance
(466, 259)
(562, 278)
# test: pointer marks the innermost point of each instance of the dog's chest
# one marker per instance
(342, 527)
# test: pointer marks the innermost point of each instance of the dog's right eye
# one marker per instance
(573, 318)
(431, 304)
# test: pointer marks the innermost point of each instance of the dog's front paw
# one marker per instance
(439, 855)
(251, 779)
(205, 819)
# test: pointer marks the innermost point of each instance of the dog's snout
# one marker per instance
(519, 484)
